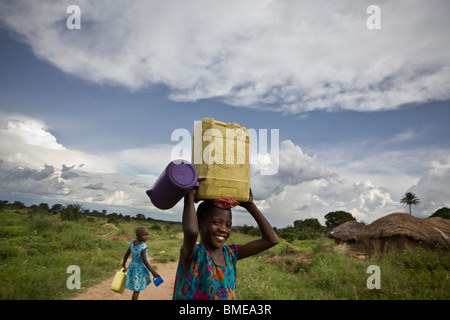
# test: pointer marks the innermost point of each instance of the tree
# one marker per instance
(71, 212)
(289, 234)
(56, 208)
(336, 218)
(410, 199)
(17, 205)
(442, 212)
(44, 207)
(312, 224)
(113, 218)
(140, 216)
(3, 204)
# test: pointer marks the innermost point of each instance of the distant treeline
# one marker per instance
(75, 211)
(300, 230)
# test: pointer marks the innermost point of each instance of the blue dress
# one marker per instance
(138, 275)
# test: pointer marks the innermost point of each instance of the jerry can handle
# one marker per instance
(226, 125)
(220, 123)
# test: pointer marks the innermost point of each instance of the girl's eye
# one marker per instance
(219, 222)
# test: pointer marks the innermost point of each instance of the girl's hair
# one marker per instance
(203, 209)
(139, 230)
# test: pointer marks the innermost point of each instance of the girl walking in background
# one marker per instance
(139, 269)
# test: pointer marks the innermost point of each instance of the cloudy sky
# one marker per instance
(87, 115)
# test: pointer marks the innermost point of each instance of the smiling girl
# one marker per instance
(207, 270)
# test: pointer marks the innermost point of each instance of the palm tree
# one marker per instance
(410, 199)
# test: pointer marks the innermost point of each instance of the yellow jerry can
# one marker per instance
(221, 155)
(118, 284)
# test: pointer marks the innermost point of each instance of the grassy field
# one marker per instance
(36, 249)
(316, 270)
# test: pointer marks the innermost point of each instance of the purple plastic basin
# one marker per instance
(173, 184)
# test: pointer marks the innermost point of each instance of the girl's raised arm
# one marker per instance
(268, 239)
(190, 230)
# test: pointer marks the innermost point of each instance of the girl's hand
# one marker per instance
(249, 202)
(191, 194)
(155, 275)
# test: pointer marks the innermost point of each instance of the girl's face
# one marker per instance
(215, 228)
(142, 235)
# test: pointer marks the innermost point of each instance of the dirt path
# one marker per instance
(102, 291)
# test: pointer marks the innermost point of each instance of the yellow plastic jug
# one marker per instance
(221, 156)
(118, 284)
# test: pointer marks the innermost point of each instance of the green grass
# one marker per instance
(308, 271)
(36, 249)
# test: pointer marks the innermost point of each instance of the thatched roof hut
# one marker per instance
(441, 224)
(346, 232)
(397, 230)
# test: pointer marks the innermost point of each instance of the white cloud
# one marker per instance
(28, 141)
(433, 187)
(295, 167)
(369, 183)
(402, 137)
(121, 178)
(41, 167)
(290, 56)
(285, 55)
(149, 159)
(394, 168)
(33, 133)
(370, 201)
(303, 187)
(374, 180)
(41, 182)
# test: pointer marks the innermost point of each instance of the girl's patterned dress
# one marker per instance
(205, 280)
(138, 275)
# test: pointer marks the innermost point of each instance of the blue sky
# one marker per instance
(87, 115)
